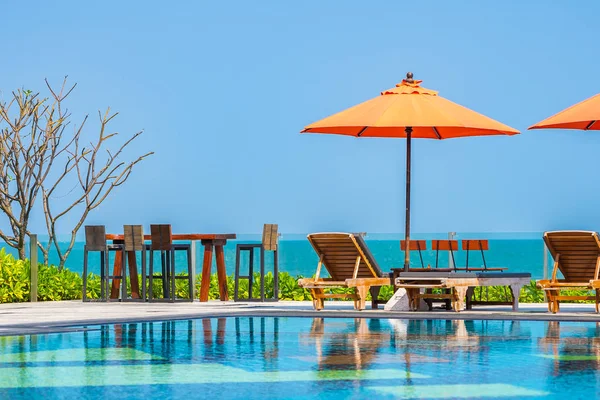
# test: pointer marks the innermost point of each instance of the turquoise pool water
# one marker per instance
(296, 358)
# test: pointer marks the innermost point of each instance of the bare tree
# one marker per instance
(39, 155)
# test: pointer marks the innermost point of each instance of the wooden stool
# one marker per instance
(270, 242)
(133, 240)
(162, 241)
(95, 240)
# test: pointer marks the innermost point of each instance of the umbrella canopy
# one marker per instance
(409, 111)
(584, 115)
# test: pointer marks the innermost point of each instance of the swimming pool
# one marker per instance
(293, 358)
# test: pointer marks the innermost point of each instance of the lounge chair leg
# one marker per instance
(597, 301)
(374, 296)
(459, 295)
(361, 291)
(515, 291)
(553, 304)
(550, 304)
(318, 302)
(413, 298)
(470, 292)
(549, 299)
(555, 307)
(429, 302)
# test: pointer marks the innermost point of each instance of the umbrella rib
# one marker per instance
(361, 131)
(437, 133)
(590, 125)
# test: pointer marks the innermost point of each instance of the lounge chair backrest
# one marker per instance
(339, 252)
(578, 254)
(475, 244)
(444, 245)
(415, 245)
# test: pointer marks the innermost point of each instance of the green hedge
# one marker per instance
(56, 284)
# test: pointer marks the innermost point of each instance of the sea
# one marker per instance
(519, 252)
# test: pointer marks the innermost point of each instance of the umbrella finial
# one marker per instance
(409, 77)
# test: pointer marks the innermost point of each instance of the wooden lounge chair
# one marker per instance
(576, 255)
(350, 265)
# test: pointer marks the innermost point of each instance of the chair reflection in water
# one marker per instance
(246, 338)
(358, 345)
(571, 354)
(166, 339)
(202, 340)
(247, 344)
(458, 334)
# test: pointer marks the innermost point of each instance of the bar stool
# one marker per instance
(95, 240)
(270, 242)
(162, 241)
(133, 241)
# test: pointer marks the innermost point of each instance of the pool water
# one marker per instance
(295, 358)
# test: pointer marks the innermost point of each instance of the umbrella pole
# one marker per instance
(408, 131)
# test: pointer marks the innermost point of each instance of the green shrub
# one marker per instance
(14, 279)
(56, 284)
(531, 294)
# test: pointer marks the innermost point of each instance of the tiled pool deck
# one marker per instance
(43, 317)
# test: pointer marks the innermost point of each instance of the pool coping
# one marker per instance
(37, 318)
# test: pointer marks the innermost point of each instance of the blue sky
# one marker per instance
(222, 90)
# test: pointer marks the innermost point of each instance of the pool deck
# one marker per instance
(60, 316)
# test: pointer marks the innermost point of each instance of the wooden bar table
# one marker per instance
(212, 242)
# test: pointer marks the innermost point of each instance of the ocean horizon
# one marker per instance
(517, 251)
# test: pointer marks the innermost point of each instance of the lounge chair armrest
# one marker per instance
(595, 283)
(543, 283)
(550, 285)
(305, 281)
(312, 283)
(368, 282)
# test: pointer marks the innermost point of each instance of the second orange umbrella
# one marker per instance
(409, 111)
(584, 116)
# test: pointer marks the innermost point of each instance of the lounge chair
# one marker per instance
(350, 265)
(576, 255)
(448, 274)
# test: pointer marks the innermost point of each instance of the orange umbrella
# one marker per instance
(409, 111)
(584, 116)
